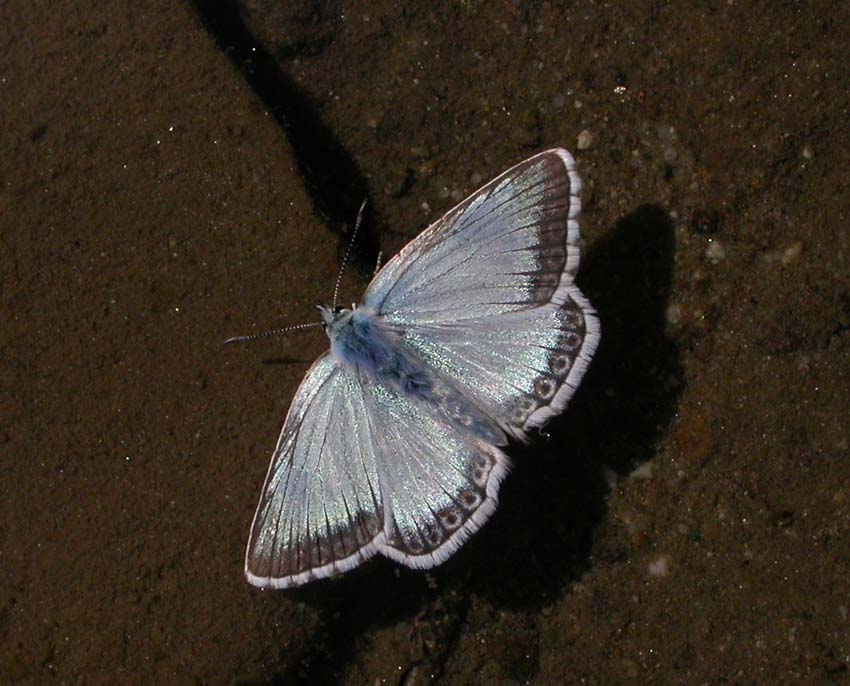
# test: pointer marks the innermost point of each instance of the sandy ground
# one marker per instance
(174, 174)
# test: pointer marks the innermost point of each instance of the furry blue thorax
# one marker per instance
(361, 342)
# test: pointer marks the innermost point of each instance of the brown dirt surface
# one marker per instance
(174, 174)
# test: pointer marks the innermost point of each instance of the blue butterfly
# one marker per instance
(474, 335)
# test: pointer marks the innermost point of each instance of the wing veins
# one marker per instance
(457, 225)
(462, 262)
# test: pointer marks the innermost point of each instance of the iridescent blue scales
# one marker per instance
(473, 335)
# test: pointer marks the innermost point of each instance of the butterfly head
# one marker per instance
(333, 317)
(329, 312)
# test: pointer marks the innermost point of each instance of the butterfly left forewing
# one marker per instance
(320, 510)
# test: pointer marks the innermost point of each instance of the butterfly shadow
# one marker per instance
(541, 537)
(376, 595)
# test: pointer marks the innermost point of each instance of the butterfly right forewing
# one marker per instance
(506, 247)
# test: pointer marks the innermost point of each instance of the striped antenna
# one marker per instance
(348, 251)
(269, 334)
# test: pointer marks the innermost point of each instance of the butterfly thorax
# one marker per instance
(362, 342)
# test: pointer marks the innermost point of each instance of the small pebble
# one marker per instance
(674, 314)
(792, 253)
(585, 140)
(807, 152)
(610, 477)
(660, 566)
(642, 473)
(715, 251)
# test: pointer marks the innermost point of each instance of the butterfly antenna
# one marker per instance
(269, 334)
(348, 251)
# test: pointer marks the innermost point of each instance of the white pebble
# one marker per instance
(642, 472)
(792, 253)
(807, 152)
(674, 314)
(611, 477)
(585, 140)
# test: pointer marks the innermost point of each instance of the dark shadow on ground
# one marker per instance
(331, 176)
(541, 537)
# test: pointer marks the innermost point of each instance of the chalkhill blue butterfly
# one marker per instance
(472, 336)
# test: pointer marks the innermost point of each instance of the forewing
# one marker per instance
(438, 486)
(320, 509)
(486, 295)
(508, 246)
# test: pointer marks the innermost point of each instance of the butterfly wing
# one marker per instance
(486, 295)
(438, 485)
(320, 510)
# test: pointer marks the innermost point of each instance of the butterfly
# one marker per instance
(474, 335)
